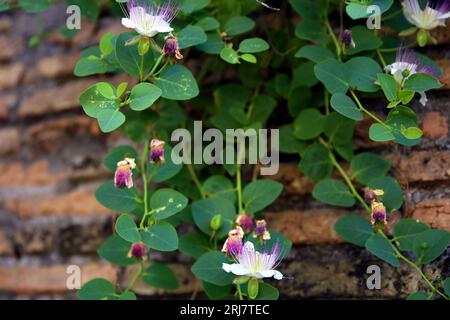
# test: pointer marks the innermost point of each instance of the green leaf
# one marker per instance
(191, 36)
(129, 58)
(204, 210)
(127, 296)
(106, 44)
(267, 292)
(419, 295)
(167, 202)
(193, 244)
(308, 124)
(167, 170)
(161, 237)
(430, 244)
(253, 45)
(333, 192)
(359, 10)
(109, 120)
(209, 268)
(364, 39)
(33, 6)
(217, 292)
(177, 83)
(144, 95)
(238, 25)
(97, 289)
(367, 166)
(208, 24)
(316, 163)
(219, 186)
(126, 228)
(447, 286)
(121, 200)
(288, 143)
(334, 75)
(115, 250)
(259, 194)
(363, 73)
(314, 53)
(421, 82)
(118, 154)
(160, 276)
(405, 232)
(90, 66)
(389, 86)
(93, 102)
(393, 193)
(381, 247)
(312, 30)
(354, 229)
(345, 106)
(229, 55)
(189, 6)
(380, 133)
(412, 133)
(213, 45)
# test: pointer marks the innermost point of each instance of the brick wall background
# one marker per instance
(51, 162)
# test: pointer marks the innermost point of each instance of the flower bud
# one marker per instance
(233, 245)
(261, 231)
(378, 215)
(138, 250)
(143, 46)
(372, 195)
(241, 280)
(123, 176)
(245, 221)
(347, 39)
(171, 47)
(253, 288)
(422, 38)
(157, 151)
(216, 222)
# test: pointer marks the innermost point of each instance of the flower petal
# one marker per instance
(236, 269)
(127, 23)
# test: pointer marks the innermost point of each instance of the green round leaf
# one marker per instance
(209, 268)
(238, 25)
(93, 102)
(97, 289)
(334, 75)
(381, 247)
(229, 55)
(380, 133)
(191, 36)
(367, 166)
(208, 24)
(354, 229)
(333, 192)
(308, 124)
(161, 237)
(430, 244)
(219, 186)
(115, 250)
(121, 200)
(177, 83)
(143, 96)
(253, 45)
(160, 276)
(129, 58)
(363, 73)
(167, 202)
(345, 106)
(267, 292)
(126, 228)
(204, 210)
(259, 194)
(316, 163)
(193, 244)
(405, 232)
(314, 53)
(109, 120)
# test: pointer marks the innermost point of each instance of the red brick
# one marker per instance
(421, 166)
(51, 279)
(53, 134)
(445, 77)
(6, 24)
(293, 180)
(56, 66)
(37, 174)
(6, 245)
(307, 226)
(434, 125)
(11, 47)
(6, 103)
(75, 203)
(9, 141)
(435, 213)
(10, 75)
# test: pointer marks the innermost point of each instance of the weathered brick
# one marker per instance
(56, 66)
(10, 75)
(435, 213)
(65, 97)
(75, 203)
(188, 283)
(84, 36)
(308, 226)
(6, 24)
(53, 134)
(293, 180)
(9, 140)
(49, 279)
(6, 245)
(445, 77)
(6, 103)
(11, 47)
(36, 174)
(434, 125)
(421, 166)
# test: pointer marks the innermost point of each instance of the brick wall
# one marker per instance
(51, 157)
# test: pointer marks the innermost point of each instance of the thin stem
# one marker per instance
(239, 187)
(161, 69)
(361, 107)
(392, 15)
(380, 56)
(144, 179)
(333, 37)
(410, 45)
(196, 180)
(344, 175)
(141, 69)
(415, 267)
(157, 63)
(136, 276)
(238, 286)
(326, 98)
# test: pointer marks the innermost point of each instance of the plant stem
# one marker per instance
(157, 63)
(144, 179)
(141, 69)
(326, 98)
(238, 286)
(196, 180)
(136, 276)
(380, 56)
(361, 107)
(333, 37)
(239, 187)
(415, 267)
(344, 176)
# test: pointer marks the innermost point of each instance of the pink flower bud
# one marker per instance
(261, 231)
(123, 176)
(138, 250)
(378, 214)
(245, 221)
(157, 151)
(171, 47)
(233, 245)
